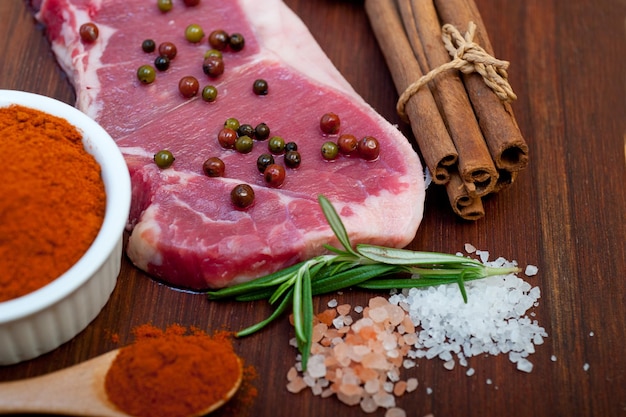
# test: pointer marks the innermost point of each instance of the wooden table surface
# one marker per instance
(564, 214)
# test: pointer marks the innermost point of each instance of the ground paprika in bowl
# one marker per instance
(61, 250)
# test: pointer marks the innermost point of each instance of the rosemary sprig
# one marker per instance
(364, 266)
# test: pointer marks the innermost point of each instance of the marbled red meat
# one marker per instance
(183, 227)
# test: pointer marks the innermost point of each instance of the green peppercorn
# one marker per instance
(263, 161)
(214, 53)
(188, 86)
(261, 131)
(232, 123)
(146, 74)
(162, 63)
(213, 66)
(165, 5)
(293, 159)
(236, 42)
(242, 196)
(163, 159)
(246, 130)
(148, 45)
(218, 39)
(330, 150)
(209, 93)
(194, 33)
(214, 167)
(244, 144)
(88, 32)
(260, 87)
(276, 145)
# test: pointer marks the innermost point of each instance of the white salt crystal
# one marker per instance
(384, 399)
(368, 405)
(358, 309)
(531, 270)
(524, 365)
(338, 322)
(449, 365)
(586, 367)
(332, 303)
(470, 372)
(553, 358)
(469, 248)
(489, 382)
(591, 334)
(483, 255)
(411, 384)
(429, 390)
(316, 367)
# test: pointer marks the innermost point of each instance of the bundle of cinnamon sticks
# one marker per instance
(465, 129)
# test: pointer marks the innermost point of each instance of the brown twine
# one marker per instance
(468, 57)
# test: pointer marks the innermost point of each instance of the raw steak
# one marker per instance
(184, 229)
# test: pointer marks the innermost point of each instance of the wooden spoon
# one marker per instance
(77, 390)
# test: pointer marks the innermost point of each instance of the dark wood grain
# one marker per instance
(565, 214)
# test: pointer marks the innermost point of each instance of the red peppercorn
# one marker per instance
(227, 138)
(88, 32)
(168, 49)
(188, 86)
(274, 175)
(213, 66)
(330, 123)
(218, 39)
(369, 148)
(214, 167)
(242, 196)
(347, 144)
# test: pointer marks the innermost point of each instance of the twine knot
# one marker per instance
(467, 57)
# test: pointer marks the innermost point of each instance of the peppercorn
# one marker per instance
(188, 86)
(291, 146)
(246, 130)
(148, 45)
(194, 33)
(260, 87)
(369, 148)
(347, 144)
(146, 74)
(232, 123)
(209, 93)
(292, 159)
(261, 131)
(274, 175)
(168, 49)
(227, 138)
(236, 42)
(214, 167)
(330, 150)
(162, 63)
(244, 144)
(164, 159)
(88, 32)
(213, 66)
(263, 161)
(165, 5)
(242, 196)
(330, 123)
(218, 39)
(276, 145)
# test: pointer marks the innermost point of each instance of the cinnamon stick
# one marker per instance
(428, 127)
(475, 164)
(495, 117)
(464, 205)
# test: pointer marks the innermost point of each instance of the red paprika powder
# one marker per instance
(172, 373)
(52, 199)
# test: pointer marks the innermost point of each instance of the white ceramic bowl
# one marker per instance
(44, 319)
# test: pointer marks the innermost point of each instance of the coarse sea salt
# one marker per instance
(359, 359)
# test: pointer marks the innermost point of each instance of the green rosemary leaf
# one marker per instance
(288, 283)
(461, 283)
(298, 319)
(350, 277)
(336, 224)
(407, 257)
(262, 282)
(307, 317)
(280, 309)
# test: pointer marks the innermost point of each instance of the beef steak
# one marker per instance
(183, 228)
